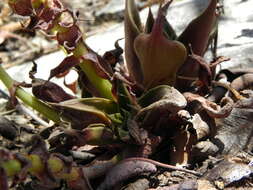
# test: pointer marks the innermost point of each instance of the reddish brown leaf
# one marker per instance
(49, 91)
(101, 66)
(21, 7)
(69, 38)
(72, 86)
(132, 30)
(64, 67)
(197, 35)
(114, 56)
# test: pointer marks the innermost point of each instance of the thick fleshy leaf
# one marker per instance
(160, 58)
(86, 111)
(124, 170)
(132, 30)
(197, 35)
(161, 93)
(159, 102)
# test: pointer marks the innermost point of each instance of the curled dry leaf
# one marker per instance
(64, 67)
(125, 170)
(99, 167)
(211, 108)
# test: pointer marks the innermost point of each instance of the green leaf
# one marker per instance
(85, 111)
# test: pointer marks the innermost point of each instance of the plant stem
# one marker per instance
(28, 99)
(102, 85)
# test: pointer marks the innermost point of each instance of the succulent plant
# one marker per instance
(130, 112)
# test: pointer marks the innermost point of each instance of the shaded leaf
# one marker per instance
(132, 30)
(159, 57)
(91, 110)
(49, 91)
(162, 97)
(99, 135)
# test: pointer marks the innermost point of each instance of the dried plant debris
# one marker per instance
(226, 173)
(8, 129)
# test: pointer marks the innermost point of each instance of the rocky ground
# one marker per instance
(102, 23)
